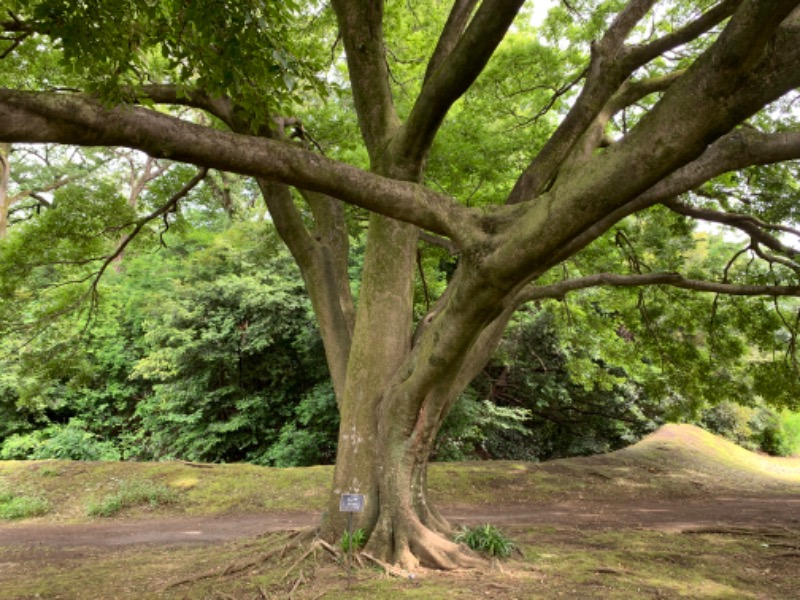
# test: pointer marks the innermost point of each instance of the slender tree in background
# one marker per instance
(614, 107)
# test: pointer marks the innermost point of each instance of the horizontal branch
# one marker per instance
(562, 288)
(745, 147)
(753, 227)
(42, 117)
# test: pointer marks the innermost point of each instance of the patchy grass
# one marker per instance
(677, 461)
(558, 563)
(133, 493)
(486, 539)
(15, 506)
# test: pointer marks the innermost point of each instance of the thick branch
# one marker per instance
(610, 66)
(744, 147)
(643, 54)
(79, 120)
(457, 72)
(595, 135)
(220, 107)
(453, 29)
(739, 149)
(561, 289)
(633, 91)
(361, 28)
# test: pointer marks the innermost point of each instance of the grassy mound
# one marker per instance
(675, 460)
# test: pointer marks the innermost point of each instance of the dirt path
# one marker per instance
(782, 512)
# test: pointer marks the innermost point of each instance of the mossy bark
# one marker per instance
(5, 172)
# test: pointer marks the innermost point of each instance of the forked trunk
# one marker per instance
(404, 528)
(410, 531)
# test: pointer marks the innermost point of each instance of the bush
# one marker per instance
(781, 434)
(734, 422)
(21, 446)
(64, 442)
(487, 539)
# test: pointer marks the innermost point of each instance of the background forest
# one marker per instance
(198, 341)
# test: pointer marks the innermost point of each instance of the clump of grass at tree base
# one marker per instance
(487, 539)
(356, 541)
(133, 493)
(13, 506)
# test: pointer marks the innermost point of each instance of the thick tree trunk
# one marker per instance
(397, 398)
(381, 342)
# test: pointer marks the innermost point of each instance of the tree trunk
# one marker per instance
(381, 342)
(5, 199)
(397, 398)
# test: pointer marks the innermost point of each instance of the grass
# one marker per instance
(680, 461)
(133, 493)
(15, 506)
(356, 540)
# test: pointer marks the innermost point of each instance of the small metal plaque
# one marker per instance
(351, 503)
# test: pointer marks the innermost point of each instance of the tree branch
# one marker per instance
(609, 68)
(741, 148)
(744, 147)
(140, 223)
(753, 227)
(644, 53)
(361, 29)
(75, 119)
(453, 29)
(458, 70)
(321, 255)
(595, 135)
(561, 289)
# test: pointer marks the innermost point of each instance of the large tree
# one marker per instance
(648, 102)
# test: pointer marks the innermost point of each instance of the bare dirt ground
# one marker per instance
(672, 515)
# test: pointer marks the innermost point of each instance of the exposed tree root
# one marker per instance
(309, 552)
(407, 543)
(387, 568)
(291, 541)
(196, 465)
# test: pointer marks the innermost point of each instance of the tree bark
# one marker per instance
(5, 199)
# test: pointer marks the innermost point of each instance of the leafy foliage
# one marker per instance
(243, 49)
(205, 351)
